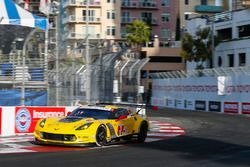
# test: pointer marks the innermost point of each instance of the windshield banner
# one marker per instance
(27, 117)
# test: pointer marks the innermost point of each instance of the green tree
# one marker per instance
(198, 48)
(138, 32)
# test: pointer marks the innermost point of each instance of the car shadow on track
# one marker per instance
(203, 150)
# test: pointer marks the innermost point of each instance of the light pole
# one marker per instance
(87, 57)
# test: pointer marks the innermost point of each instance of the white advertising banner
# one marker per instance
(204, 90)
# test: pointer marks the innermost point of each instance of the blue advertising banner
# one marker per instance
(32, 98)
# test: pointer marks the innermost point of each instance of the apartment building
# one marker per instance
(101, 22)
(160, 15)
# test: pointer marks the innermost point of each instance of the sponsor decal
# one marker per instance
(214, 106)
(27, 117)
(245, 108)
(0, 120)
(23, 120)
(122, 130)
(200, 105)
(231, 107)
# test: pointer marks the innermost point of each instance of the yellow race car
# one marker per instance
(92, 125)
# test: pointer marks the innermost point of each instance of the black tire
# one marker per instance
(143, 132)
(101, 135)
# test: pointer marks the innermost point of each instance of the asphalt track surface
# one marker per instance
(211, 140)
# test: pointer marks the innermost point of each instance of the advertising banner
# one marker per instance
(245, 108)
(189, 104)
(171, 103)
(179, 103)
(200, 105)
(0, 120)
(27, 117)
(231, 107)
(214, 106)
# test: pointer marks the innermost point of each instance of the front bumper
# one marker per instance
(63, 139)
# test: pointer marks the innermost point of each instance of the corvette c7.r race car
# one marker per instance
(92, 125)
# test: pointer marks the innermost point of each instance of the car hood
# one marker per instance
(66, 124)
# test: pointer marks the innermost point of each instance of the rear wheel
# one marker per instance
(101, 135)
(142, 132)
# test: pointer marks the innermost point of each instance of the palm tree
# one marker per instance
(198, 48)
(138, 33)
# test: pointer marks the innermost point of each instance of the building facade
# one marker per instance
(233, 29)
(161, 15)
(101, 22)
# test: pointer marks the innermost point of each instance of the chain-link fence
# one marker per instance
(115, 76)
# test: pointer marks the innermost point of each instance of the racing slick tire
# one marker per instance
(143, 132)
(101, 135)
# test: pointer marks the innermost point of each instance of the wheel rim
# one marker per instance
(101, 136)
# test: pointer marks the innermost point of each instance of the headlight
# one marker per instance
(42, 123)
(85, 126)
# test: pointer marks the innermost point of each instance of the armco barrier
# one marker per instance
(22, 120)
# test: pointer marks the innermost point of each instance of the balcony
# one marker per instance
(127, 20)
(74, 19)
(136, 4)
(246, 3)
(92, 3)
(76, 36)
(208, 9)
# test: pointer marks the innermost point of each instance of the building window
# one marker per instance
(111, 30)
(244, 31)
(186, 16)
(165, 3)
(165, 17)
(203, 2)
(91, 31)
(165, 33)
(225, 34)
(111, 14)
(219, 61)
(111, 1)
(91, 15)
(230, 60)
(186, 2)
(242, 59)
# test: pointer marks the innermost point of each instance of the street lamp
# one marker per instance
(87, 57)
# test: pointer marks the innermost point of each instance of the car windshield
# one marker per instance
(91, 113)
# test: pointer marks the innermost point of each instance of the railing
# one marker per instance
(126, 20)
(136, 4)
(74, 35)
(73, 19)
(93, 3)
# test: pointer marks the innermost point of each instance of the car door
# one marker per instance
(125, 123)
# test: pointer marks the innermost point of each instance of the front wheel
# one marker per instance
(142, 132)
(101, 135)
